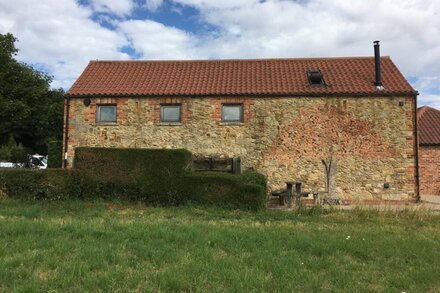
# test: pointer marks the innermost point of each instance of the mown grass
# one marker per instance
(77, 246)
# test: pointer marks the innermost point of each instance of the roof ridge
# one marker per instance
(238, 60)
(423, 109)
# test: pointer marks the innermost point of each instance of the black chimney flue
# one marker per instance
(378, 81)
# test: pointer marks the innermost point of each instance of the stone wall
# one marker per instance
(429, 164)
(370, 139)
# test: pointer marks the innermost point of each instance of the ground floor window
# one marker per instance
(232, 113)
(106, 114)
(170, 113)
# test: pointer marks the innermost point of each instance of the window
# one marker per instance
(232, 113)
(170, 113)
(106, 114)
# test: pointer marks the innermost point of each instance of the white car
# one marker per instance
(38, 161)
(9, 165)
(35, 161)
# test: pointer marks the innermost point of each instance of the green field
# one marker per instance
(77, 246)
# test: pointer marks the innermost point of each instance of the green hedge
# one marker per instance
(149, 175)
(132, 165)
(222, 189)
(34, 184)
(253, 177)
(157, 177)
(54, 153)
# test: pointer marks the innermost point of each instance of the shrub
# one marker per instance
(253, 177)
(149, 175)
(132, 165)
(31, 184)
(159, 177)
(54, 154)
(222, 189)
(11, 152)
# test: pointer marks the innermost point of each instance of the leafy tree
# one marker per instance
(30, 111)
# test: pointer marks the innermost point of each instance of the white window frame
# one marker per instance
(162, 116)
(98, 113)
(241, 118)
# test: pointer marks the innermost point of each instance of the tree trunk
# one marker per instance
(330, 165)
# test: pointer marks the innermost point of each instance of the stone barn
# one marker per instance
(429, 150)
(346, 125)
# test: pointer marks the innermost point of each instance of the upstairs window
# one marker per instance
(170, 113)
(106, 114)
(232, 113)
(315, 77)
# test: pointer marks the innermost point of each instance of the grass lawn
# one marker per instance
(76, 246)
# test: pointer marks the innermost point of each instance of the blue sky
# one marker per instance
(61, 36)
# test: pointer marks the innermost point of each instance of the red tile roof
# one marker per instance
(342, 76)
(429, 125)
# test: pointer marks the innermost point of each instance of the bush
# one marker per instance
(11, 152)
(32, 184)
(222, 189)
(149, 175)
(54, 154)
(158, 177)
(253, 177)
(132, 165)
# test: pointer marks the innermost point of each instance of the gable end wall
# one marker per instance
(429, 165)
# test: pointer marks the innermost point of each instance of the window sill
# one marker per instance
(106, 123)
(231, 124)
(169, 124)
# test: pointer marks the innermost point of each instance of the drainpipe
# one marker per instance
(66, 132)
(416, 134)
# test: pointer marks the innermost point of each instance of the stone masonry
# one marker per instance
(284, 138)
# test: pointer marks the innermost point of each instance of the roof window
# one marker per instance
(315, 77)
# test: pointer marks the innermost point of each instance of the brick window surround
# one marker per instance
(227, 107)
(99, 115)
(163, 113)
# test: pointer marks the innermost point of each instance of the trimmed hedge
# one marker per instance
(222, 189)
(253, 177)
(54, 153)
(35, 184)
(132, 165)
(158, 177)
(149, 175)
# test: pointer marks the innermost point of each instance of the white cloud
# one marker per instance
(409, 31)
(117, 7)
(157, 41)
(430, 100)
(153, 5)
(326, 28)
(427, 83)
(58, 35)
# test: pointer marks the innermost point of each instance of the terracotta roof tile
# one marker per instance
(345, 76)
(429, 125)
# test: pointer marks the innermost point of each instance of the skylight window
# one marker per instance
(315, 77)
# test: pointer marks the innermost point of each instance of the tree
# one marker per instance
(30, 111)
